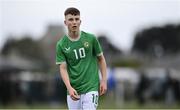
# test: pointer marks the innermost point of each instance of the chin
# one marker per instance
(74, 30)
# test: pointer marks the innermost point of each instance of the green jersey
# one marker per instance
(81, 59)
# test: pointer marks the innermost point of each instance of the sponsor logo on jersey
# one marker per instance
(86, 44)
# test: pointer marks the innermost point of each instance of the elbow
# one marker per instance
(62, 67)
(101, 59)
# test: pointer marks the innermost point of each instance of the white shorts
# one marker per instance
(87, 101)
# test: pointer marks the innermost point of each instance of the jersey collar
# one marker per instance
(74, 39)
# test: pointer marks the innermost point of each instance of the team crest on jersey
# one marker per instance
(86, 44)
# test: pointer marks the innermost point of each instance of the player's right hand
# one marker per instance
(73, 94)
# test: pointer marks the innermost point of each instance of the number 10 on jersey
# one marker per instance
(79, 53)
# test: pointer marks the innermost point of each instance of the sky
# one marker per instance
(119, 20)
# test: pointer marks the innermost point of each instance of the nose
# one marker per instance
(74, 21)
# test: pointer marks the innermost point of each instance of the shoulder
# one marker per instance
(87, 34)
(61, 41)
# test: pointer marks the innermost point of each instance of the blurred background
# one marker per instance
(140, 40)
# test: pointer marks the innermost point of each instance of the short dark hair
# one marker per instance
(72, 11)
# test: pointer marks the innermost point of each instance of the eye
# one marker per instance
(77, 19)
(70, 19)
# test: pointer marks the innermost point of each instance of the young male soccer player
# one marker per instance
(79, 56)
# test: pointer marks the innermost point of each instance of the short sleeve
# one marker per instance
(60, 58)
(97, 47)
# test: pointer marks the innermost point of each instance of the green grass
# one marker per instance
(35, 106)
(105, 102)
(110, 103)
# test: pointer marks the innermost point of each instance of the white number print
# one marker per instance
(80, 53)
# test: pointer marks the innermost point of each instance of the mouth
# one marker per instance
(74, 27)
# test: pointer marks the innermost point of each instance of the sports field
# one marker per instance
(104, 103)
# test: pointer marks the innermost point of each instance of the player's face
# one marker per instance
(72, 22)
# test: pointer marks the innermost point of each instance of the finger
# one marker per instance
(101, 90)
(76, 95)
(74, 98)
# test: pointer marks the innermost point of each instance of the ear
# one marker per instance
(80, 21)
(65, 22)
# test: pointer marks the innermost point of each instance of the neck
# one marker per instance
(74, 34)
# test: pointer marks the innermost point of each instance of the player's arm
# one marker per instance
(65, 77)
(102, 65)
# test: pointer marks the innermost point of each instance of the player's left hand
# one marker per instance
(103, 87)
